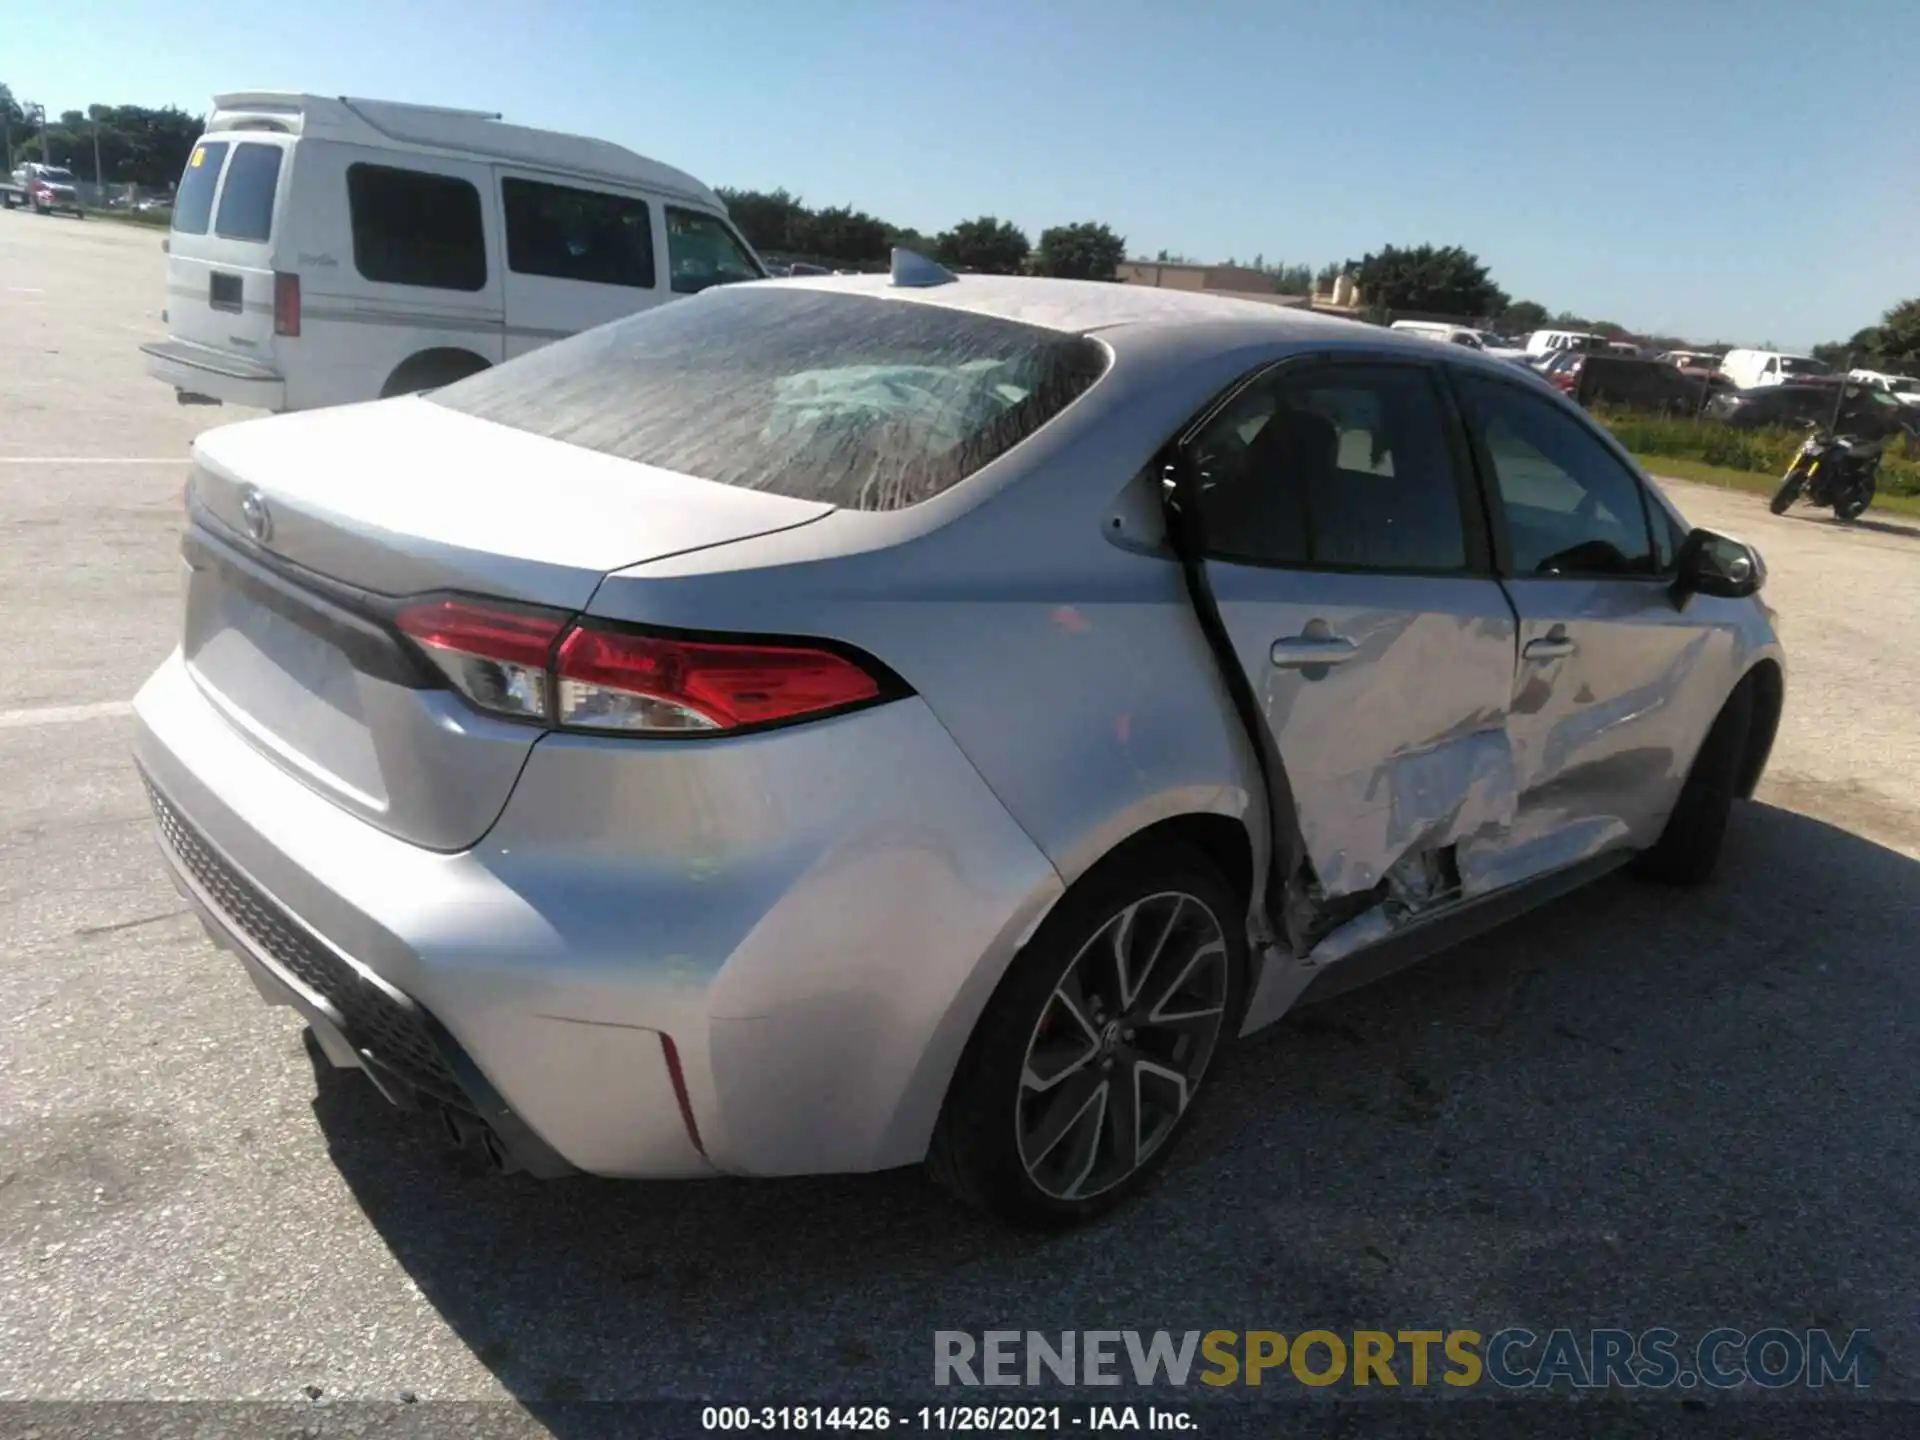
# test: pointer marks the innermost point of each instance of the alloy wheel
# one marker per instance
(1122, 1045)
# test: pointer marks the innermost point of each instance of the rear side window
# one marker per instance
(570, 234)
(704, 252)
(193, 205)
(1347, 467)
(855, 400)
(412, 227)
(246, 202)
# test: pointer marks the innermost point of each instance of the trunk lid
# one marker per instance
(306, 526)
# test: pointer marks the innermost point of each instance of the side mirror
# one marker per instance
(1714, 564)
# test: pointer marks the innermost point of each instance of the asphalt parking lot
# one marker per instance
(1637, 1108)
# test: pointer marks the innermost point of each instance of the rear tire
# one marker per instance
(1788, 492)
(1038, 1129)
(1689, 848)
(1853, 509)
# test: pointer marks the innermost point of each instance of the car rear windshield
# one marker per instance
(193, 206)
(855, 400)
(246, 203)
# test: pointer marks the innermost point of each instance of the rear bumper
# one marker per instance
(758, 957)
(217, 374)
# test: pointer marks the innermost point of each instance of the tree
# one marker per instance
(1522, 316)
(1086, 251)
(770, 220)
(843, 233)
(988, 244)
(1438, 280)
(1898, 339)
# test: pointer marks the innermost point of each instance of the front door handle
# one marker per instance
(1301, 652)
(1551, 647)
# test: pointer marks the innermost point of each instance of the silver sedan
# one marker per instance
(839, 723)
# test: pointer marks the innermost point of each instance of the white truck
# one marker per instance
(326, 251)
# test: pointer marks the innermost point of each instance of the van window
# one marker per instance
(193, 205)
(415, 228)
(572, 234)
(703, 251)
(246, 202)
(855, 400)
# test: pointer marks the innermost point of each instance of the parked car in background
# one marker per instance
(48, 189)
(1864, 410)
(1546, 342)
(832, 723)
(1904, 388)
(1750, 368)
(327, 250)
(1632, 383)
(1466, 336)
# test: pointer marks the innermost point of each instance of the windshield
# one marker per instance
(869, 403)
(54, 175)
(1800, 365)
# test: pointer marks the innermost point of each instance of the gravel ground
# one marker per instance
(1636, 1108)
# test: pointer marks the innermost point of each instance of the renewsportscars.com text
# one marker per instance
(1513, 1358)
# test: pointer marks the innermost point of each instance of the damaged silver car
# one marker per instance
(847, 722)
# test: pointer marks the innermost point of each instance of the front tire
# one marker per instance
(1788, 492)
(1689, 848)
(1085, 1067)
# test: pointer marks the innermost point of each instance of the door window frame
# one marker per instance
(1494, 503)
(1477, 533)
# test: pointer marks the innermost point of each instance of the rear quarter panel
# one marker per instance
(1035, 609)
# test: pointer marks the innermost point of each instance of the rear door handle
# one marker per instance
(1298, 652)
(1552, 647)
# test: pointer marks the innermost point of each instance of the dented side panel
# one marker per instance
(1401, 748)
(1603, 735)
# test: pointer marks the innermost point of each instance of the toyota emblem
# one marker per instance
(253, 509)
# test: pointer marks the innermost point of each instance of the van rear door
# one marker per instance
(220, 280)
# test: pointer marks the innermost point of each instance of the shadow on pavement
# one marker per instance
(1638, 1107)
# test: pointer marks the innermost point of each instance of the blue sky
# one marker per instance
(1746, 170)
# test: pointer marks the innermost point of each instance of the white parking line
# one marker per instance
(92, 460)
(63, 714)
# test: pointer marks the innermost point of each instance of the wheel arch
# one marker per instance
(440, 365)
(1768, 681)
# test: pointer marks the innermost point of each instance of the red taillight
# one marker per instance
(611, 680)
(286, 305)
(496, 656)
(534, 665)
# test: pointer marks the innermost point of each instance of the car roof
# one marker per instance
(1084, 307)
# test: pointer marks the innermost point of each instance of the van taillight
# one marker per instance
(286, 305)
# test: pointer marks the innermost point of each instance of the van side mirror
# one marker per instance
(1713, 564)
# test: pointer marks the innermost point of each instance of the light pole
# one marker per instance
(99, 178)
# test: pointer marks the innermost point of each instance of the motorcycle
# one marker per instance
(1841, 471)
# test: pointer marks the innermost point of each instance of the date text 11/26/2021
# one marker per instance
(972, 1419)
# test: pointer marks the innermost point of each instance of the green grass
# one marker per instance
(1765, 454)
(151, 219)
(1672, 467)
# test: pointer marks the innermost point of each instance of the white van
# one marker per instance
(1748, 368)
(1551, 342)
(332, 250)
